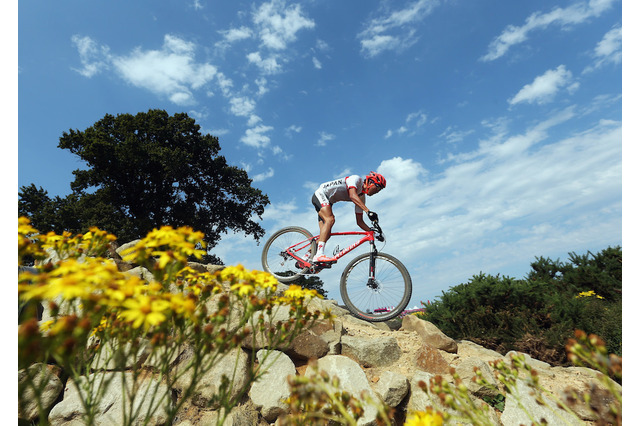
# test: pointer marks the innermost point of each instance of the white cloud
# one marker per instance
(236, 34)
(574, 14)
(94, 58)
(608, 50)
(278, 24)
(256, 137)
(544, 87)
(264, 176)
(316, 63)
(261, 83)
(610, 47)
(268, 65)
(242, 106)
(452, 135)
(253, 120)
(170, 72)
(394, 30)
(413, 122)
(324, 137)
(289, 131)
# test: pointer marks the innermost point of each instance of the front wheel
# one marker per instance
(277, 253)
(375, 299)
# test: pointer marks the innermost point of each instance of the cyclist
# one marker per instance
(351, 188)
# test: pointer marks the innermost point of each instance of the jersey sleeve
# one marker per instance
(354, 181)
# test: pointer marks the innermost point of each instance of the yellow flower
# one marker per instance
(119, 290)
(144, 310)
(101, 327)
(243, 288)
(29, 242)
(295, 292)
(265, 280)
(46, 325)
(424, 418)
(235, 272)
(182, 242)
(588, 294)
(182, 305)
(24, 226)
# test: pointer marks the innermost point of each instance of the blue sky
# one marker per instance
(498, 124)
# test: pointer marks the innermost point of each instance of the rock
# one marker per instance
(141, 272)
(333, 337)
(420, 399)
(308, 345)
(371, 352)
(429, 359)
(352, 379)
(110, 407)
(534, 363)
(44, 378)
(392, 388)
(234, 365)
(120, 250)
(429, 333)
(110, 358)
(467, 371)
(522, 407)
(272, 388)
(470, 349)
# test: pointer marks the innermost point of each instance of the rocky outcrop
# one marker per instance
(366, 357)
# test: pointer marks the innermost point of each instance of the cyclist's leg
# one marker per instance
(326, 219)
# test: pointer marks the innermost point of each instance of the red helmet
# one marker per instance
(377, 178)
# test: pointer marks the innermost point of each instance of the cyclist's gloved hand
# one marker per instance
(373, 217)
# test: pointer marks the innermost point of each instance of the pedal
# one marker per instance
(323, 265)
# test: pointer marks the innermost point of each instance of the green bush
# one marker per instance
(537, 314)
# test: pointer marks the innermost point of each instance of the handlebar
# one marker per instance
(378, 230)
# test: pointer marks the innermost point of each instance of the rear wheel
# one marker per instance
(376, 299)
(277, 261)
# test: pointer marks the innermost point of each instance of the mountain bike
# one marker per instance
(374, 286)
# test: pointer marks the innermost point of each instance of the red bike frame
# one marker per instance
(303, 246)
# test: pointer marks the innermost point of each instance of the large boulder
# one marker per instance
(234, 366)
(371, 352)
(429, 333)
(352, 380)
(43, 378)
(272, 388)
(111, 406)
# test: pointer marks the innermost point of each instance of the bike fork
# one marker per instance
(371, 282)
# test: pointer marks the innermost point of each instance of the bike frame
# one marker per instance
(304, 245)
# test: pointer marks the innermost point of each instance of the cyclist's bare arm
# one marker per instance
(361, 223)
(353, 195)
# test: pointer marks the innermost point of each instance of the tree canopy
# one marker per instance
(144, 171)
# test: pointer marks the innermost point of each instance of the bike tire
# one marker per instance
(392, 292)
(277, 263)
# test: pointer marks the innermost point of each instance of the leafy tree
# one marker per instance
(312, 282)
(144, 171)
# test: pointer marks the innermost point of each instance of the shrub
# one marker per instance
(537, 314)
